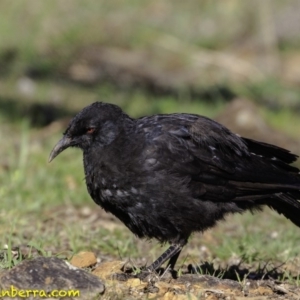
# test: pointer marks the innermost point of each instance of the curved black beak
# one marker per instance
(62, 144)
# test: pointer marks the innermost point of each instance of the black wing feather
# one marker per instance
(222, 165)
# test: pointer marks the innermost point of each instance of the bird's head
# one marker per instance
(96, 125)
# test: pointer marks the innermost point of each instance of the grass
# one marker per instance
(285, 120)
(46, 38)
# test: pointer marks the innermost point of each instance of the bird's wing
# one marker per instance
(220, 165)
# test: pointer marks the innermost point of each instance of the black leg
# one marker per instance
(171, 253)
(173, 260)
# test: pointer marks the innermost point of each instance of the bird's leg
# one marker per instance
(173, 260)
(171, 253)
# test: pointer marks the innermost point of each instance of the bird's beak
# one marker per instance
(62, 144)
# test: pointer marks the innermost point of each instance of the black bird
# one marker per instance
(166, 176)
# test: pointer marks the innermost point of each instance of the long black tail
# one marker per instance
(286, 200)
(288, 204)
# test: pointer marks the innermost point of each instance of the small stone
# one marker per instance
(107, 269)
(51, 273)
(84, 259)
(86, 211)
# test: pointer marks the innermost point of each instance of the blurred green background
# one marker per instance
(235, 61)
(149, 56)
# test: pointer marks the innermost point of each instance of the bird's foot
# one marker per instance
(122, 276)
(144, 275)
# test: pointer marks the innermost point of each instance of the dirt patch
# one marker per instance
(192, 286)
(48, 274)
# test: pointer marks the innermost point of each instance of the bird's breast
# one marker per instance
(111, 194)
(109, 191)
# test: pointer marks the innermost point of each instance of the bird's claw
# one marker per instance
(144, 275)
(121, 276)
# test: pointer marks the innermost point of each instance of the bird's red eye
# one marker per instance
(90, 130)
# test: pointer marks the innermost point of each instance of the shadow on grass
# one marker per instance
(240, 273)
(237, 273)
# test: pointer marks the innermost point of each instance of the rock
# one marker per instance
(107, 269)
(49, 274)
(84, 259)
(26, 86)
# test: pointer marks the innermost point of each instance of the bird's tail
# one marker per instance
(288, 204)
